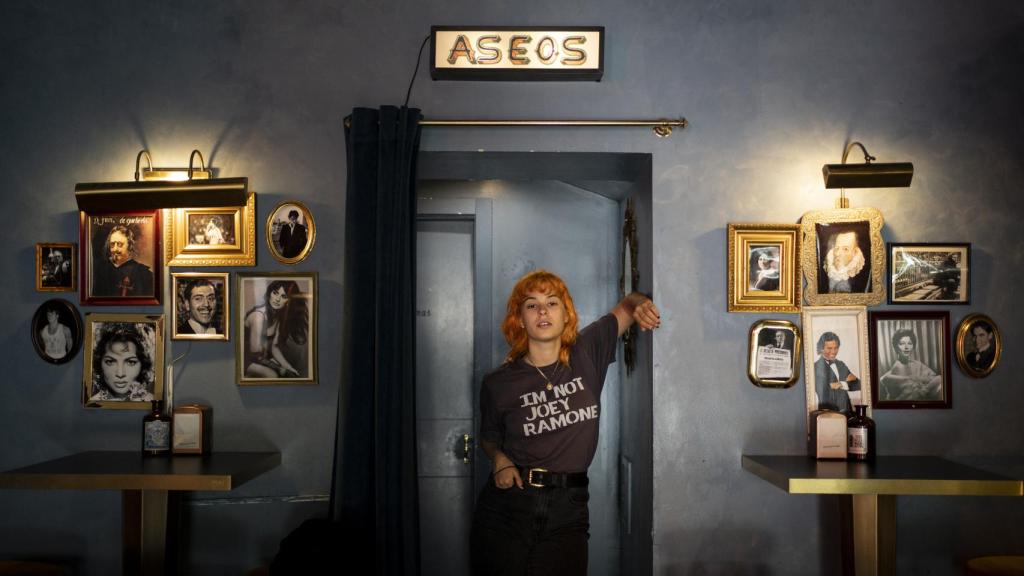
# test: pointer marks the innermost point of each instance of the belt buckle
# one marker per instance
(529, 477)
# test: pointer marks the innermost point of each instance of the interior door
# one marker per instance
(444, 392)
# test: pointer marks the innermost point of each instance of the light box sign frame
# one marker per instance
(540, 53)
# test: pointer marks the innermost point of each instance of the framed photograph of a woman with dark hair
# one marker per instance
(121, 258)
(910, 354)
(124, 361)
(277, 319)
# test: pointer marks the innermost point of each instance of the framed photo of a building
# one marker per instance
(910, 357)
(56, 267)
(276, 328)
(120, 257)
(773, 359)
(197, 237)
(763, 268)
(201, 306)
(836, 363)
(124, 361)
(929, 273)
(843, 257)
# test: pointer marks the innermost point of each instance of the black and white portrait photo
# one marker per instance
(911, 359)
(211, 228)
(56, 269)
(979, 345)
(774, 353)
(121, 253)
(844, 257)
(290, 232)
(124, 361)
(57, 331)
(277, 323)
(764, 268)
(201, 306)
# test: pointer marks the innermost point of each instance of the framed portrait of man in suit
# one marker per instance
(836, 361)
(290, 232)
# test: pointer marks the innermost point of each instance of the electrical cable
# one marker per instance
(412, 80)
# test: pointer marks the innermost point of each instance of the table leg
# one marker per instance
(149, 530)
(874, 534)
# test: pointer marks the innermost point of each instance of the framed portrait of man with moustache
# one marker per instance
(843, 256)
(121, 258)
(201, 306)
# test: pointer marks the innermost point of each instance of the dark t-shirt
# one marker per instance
(554, 429)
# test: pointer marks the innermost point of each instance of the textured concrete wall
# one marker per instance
(773, 90)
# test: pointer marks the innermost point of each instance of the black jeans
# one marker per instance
(530, 532)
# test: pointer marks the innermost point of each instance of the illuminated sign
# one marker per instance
(516, 53)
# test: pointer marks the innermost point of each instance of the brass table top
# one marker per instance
(892, 475)
(121, 470)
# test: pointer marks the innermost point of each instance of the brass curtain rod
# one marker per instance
(661, 127)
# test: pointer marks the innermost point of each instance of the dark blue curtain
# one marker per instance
(374, 487)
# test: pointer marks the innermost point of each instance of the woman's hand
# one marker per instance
(506, 476)
(646, 315)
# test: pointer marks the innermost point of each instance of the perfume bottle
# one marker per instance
(860, 435)
(156, 432)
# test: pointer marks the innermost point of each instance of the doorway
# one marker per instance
(484, 220)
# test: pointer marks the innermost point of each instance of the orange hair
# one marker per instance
(515, 334)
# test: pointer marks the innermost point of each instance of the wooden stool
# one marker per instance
(23, 568)
(996, 566)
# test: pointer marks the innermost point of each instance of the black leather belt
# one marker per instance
(541, 478)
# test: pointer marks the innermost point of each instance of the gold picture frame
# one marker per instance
(276, 340)
(773, 354)
(212, 236)
(845, 330)
(192, 294)
(764, 268)
(858, 282)
(972, 362)
(136, 361)
(56, 267)
(290, 244)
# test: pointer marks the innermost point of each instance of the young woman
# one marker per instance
(266, 329)
(539, 425)
(907, 378)
(122, 368)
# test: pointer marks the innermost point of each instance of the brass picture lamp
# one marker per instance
(866, 175)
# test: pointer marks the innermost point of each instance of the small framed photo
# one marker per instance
(927, 273)
(124, 361)
(910, 355)
(121, 258)
(836, 358)
(56, 267)
(764, 268)
(57, 331)
(773, 359)
(843, 256)
(979, 344)
(201, 306)
(212, 236)
(277, 319)
(290, 232)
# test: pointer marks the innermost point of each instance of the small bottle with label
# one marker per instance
(156, 432)
(860, 435)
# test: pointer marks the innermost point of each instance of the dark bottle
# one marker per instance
(860, 435)
(156, 432)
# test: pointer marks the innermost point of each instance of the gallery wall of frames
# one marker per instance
(122, 259)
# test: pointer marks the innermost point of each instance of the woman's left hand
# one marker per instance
(646, 315)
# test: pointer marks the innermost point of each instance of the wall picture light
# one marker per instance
(866, 175)
(155, 188)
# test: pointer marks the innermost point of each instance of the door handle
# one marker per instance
(467, 443)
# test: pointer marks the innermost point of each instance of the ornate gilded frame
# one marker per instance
(761, 349)
(782, 243)
(72, 251)
(963, 333)
(221, 283)
(850, 324)
(275, 221)
(152, 325)
(183, 250)
(250, 289)
(841, 220)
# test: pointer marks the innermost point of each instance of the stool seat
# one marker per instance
(996, 566)
(25, 568)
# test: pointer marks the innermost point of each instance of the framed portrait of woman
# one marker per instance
(124, 361)
(979, 344)
(57, 331)
(911, 359)
(291, 232)
(121, 258)
(277, 328)
(763, 268)
(212, 236)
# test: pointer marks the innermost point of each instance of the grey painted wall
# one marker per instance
(772, 90)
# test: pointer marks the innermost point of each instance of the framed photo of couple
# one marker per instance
(763, 268)
(277, 324)
(910, 353)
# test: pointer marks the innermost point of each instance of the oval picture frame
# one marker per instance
(67, 316)
(290, 244)
(972, 364)
(773, 362)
